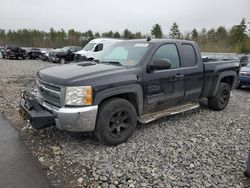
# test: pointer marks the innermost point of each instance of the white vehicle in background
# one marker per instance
(94, 48)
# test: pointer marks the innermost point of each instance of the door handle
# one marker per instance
(179, 75)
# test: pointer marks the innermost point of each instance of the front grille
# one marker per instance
(80, 58)
(77, 57)
(49, 92)
(52, 54)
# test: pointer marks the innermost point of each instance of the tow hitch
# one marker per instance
(39, 117)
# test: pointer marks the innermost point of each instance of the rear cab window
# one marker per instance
(188, 55)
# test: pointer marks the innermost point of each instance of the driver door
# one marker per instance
(164, 88)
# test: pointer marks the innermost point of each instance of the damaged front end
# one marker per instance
(38, 116)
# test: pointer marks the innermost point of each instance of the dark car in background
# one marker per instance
(244, 76)
(1, 49)
(34, 53)
(13, 51)
(63, 55)
(44, 55)
(244, 60)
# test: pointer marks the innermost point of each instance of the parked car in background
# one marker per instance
(44, 55)
(34, 53)
(244, 76)
(63, 55)
(94, 48)
(134, 80)
(1, 49)
(244, 60)
(13, 51)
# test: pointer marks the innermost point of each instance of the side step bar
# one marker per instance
(156, 115)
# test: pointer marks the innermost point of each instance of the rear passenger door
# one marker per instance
(193, 72)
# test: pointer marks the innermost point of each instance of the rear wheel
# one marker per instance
(238, 86)
(221, 99)
(116, 121)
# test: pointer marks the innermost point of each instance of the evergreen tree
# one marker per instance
(97, 35)
(127, 34)
(156, 31)
(138, 35)
(239, 37)
(174, 32)
(117, 35)
(194, 34)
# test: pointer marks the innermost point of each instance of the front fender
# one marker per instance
(112, 92)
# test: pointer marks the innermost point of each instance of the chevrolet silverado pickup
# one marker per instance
(132, 81)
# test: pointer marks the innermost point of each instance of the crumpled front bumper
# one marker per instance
(79, 119)
(41, 115)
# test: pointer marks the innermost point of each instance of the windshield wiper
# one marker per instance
(112, 62)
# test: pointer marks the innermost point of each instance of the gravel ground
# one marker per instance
(199, 148)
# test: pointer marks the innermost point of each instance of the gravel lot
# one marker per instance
(200, 148)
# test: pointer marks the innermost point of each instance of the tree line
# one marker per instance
(218, 39)
(234, 39)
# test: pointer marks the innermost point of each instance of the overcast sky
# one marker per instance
(136, 15)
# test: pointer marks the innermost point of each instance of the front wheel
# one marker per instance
(221, 99)
(116, 121)
(62, 60)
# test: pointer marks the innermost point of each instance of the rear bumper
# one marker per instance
(244, 80)
(80, 119)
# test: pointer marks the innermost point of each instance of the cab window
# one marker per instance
(189, 56)
(169, 52)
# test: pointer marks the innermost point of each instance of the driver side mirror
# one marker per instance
(160, 64)
(99, 47)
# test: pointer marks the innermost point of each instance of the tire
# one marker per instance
(221, 99)
(238, 86)
(116, 121)
(62, 60)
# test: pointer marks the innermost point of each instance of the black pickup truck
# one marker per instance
(63, 55)
(13, 51)
(137, 80)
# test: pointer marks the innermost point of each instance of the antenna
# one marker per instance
(148, 39)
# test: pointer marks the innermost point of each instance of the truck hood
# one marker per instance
(87, 73)
(82, 52)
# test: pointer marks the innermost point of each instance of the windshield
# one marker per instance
(89, 46)
(66, 48)
(125, 54)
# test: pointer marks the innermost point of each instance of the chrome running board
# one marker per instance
(175, 110)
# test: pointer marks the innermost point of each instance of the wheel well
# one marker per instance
(229, 80)
(131, 97)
